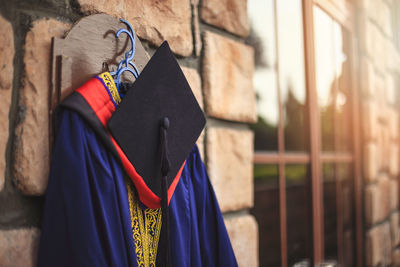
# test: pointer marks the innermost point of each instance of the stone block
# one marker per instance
(385, 147)
(196, 28)
(152, 20)
(372, 10)
(230, 15)
(378, 246)
(369, 35)
(378, 200)
(379, 12)
(6, 79)
(391, 90)
(379, 97)
(228, 68)
(393, 58)
(385, 19)
(394, 194)
(394, 123)
(387, 243)
(194, 80)
(370, 120)
(368, 75)
(230, 166)
(363, 3)
(380, 56)
(396, 258)
(394, 160)
(200, 144)
(395, 229)
(373, 253)
(373, 43)
(384, 184)
(243, 233)
(370, 162)
(19, 247)
(31, 148)
(372, 199)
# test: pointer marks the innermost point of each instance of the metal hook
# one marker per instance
(134, 73)
(122, 62)
(128, 55)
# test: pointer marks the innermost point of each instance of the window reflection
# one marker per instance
(325, 75)
(330, 218)
(262, 38)
(266, 211)
(333, 82)
(343, 76)
(282, 68)
(338, 213)
(345, 176)
(291, 73)
(299, 224)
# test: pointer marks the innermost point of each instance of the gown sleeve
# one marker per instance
(199, 234)
(86, 213)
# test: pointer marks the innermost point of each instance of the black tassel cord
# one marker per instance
(165, 166)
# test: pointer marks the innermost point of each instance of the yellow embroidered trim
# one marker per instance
(112, 88)
(146, 230)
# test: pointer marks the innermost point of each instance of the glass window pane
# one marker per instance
(266, 212)
(299, 214)
(330, 218)
(325, 75)
(262, 38)
(343, 77)
(291, 73)
(344, 173)
(339, 231)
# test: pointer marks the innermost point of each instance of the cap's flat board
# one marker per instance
(161, 91)
(90, 43)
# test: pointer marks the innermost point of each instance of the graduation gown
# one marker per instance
(96, 210)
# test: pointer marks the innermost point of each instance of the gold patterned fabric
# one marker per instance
(146, 228)
(111, 86)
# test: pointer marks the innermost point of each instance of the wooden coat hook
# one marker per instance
(89, 47)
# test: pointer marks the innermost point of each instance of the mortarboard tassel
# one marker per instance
(165, 166)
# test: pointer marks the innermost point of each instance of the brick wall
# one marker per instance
(208, 40)
(379, 69)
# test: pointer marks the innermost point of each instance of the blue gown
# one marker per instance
(88, 214)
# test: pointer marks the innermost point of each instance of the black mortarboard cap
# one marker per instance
(161, 91)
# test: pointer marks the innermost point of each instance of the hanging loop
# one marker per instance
(118, 79)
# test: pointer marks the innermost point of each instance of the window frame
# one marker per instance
(341, 11)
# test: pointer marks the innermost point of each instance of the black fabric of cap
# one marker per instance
(160, 92)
